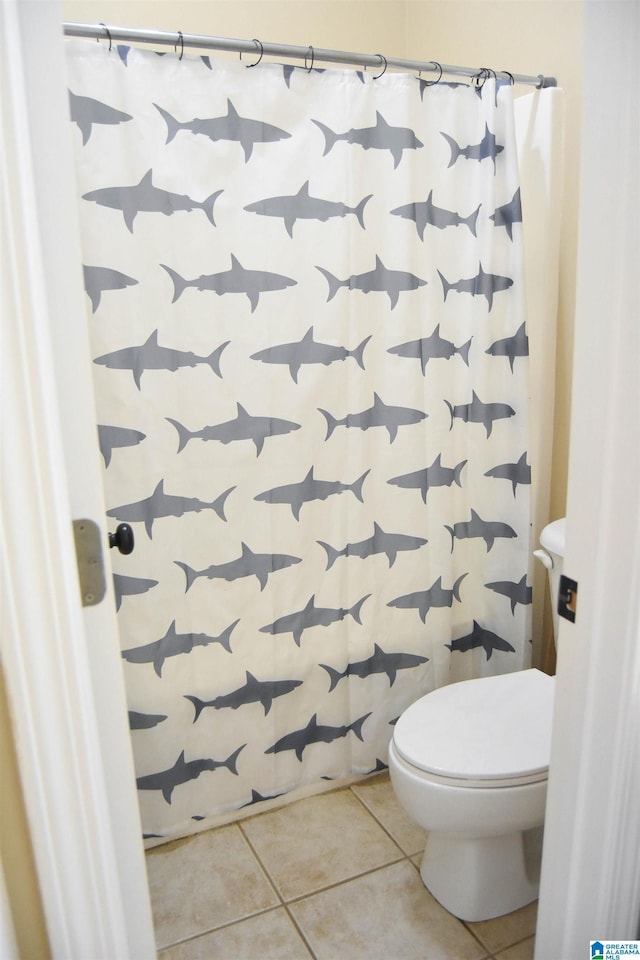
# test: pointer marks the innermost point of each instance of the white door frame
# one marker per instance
(81, 803)
(62, 663)
(590, 875)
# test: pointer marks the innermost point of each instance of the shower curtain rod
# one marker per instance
(308, 54)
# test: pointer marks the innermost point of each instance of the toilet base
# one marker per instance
(477, 879)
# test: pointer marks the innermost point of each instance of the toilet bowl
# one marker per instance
(469, 763)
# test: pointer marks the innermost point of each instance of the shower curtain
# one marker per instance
(305, 295)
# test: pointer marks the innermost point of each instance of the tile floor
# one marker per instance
(331, 877)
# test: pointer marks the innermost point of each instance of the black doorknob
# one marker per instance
(122, 538)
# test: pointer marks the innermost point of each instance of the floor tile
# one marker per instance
(521, 951)
(504, 931)
(387, 913)
(379, 797)
(319, 841)
(203, 882)
(269, 936)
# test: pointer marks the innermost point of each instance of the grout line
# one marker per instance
(329, 886)
(382, 826)
(262, 866)
(340, 883)
(222, 926)
(300, 932)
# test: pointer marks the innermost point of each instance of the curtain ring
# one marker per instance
(181, 42)
(540, 83)
(510, 75)
(382, 60)
(432, 83)
(306, 57)
(258, 44)
(108, 32)
(482, 74)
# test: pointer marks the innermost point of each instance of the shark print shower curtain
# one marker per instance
(305, 296)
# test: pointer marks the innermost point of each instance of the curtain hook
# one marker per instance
(181, 42)
(382, 60)
(510, 75)
(258, 44)
(432, 83)
(306, 57)
(108, 32)
(482, 74)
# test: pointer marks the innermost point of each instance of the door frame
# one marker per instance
(590, 886)
(61, 661)
(81, 804)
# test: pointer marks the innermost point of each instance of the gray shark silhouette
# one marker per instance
(151, 356)
(426, 213)
(259, 797)
(380, 542)
(99, 279)
(236, 280)
(243, 427)
(123, 52)
(288, 69)
(516, 592)
(144, 721)
(110, 437)
(302, 206)
(297, 494)
(519, 472)
(431, 348)
(511, 347)
(143, 197)
(315, 733)
(85, 111)
(381, 137)
(425, 600)
(479, 637)
(434, 476)
(379, 662)
(482, 285)
(479, 412)
(130, 587)
(488, 147)
(173, 644)
(379, 415)
(161, 504)
(476, 527)
(248, 564)
(231, 126)
(508, 214)
(307, 351)
(312, 616)
(379, 280)
(253, 691)
(184, 770)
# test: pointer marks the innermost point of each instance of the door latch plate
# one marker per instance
(88, 540)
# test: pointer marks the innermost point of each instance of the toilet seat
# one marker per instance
(489, 732)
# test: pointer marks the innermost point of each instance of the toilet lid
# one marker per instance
(494, 728)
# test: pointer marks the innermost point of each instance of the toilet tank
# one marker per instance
(552, 556)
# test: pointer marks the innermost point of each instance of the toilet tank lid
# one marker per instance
(494, 728)
(552, 537)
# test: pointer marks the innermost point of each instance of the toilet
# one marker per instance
(469, 763)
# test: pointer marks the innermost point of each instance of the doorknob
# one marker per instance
(122, 538)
